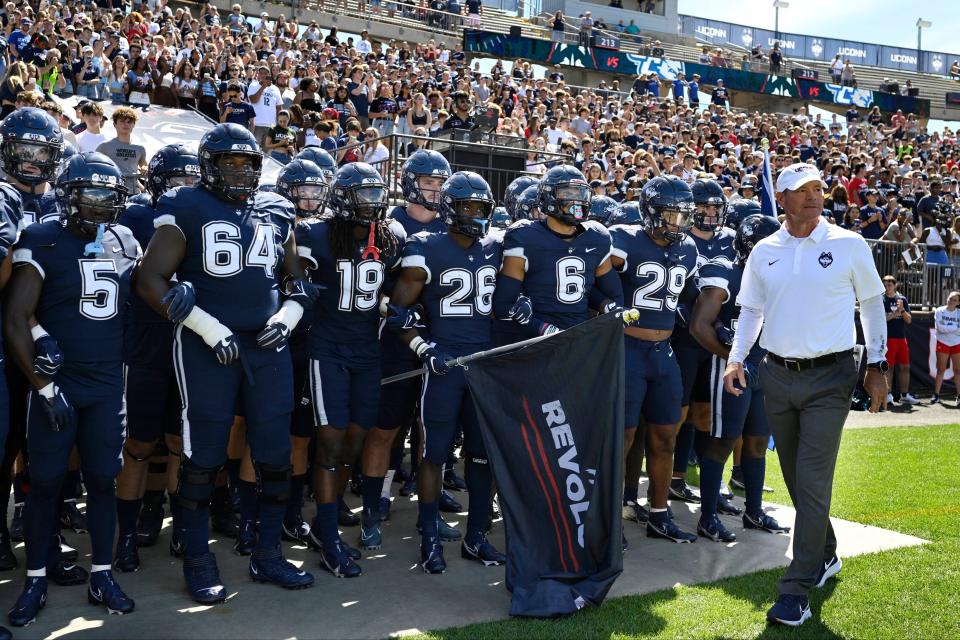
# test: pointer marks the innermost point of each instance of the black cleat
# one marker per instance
(176, 543)
(727, 508)
(224, 521)
(345, 517)
(482, 551)
(338, 562)
(764, 523)
(246, 539)
(67, 552)
(431, 556)
(71, 518)
(149, 524)
(271, 566)
(16, 524)
(714, 530)
(296, 530)
(680, 490)
(67, 574)
(448, 504)
(127, 558)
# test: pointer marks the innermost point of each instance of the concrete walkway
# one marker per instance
(917, 415)
(393, 597)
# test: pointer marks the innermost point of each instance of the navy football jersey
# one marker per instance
(83, 297)
(458, 293)
(720, 246)
(233, 255)
(139, 219)
(348, 311)
(411, 226)
(653, 276)
(38, 207)
(559, 272)
(727, 275)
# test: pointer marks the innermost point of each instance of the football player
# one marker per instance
(73, 275)
(453, 274)
(602, 209)
(349, 255)
(511, 195)
(654, 262)
(713, 325)
(153, 400)
(307, 185)
(740, 209)
(713, 240)
(228, 245)
(422, 176)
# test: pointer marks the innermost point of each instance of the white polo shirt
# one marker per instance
(806, 288)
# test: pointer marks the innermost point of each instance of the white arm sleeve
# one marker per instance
(207, 327)
(874, 320)
(748, 330)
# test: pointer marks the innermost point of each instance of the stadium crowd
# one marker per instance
(325, 107)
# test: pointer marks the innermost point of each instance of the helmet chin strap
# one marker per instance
(371, 251)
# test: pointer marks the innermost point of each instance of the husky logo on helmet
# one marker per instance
(667, 208)
(602, 209)
(31, 146)
(423, 163)
(565, 195)
(754, 228)
(174, 165)
(90, 192)
(466, 204)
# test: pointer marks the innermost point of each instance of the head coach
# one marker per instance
(800, 285)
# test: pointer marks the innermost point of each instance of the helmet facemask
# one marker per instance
(91, 206)
(710, 216)
(366, 204)
(309, 198)
(470, 217)
(31, 162)
(571, 202)
(674, 222)
(235, 174)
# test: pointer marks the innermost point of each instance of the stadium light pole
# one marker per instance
(921, 25)
(777, 5)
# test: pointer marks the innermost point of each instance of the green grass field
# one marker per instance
(900, 478)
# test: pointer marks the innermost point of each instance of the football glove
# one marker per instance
(432, 359)
(724, 333)
(48, 358)
(401, 318)
(303, 292)
(179, 301)
(521, 311)
(58, 409)
(274, 335)
(227, 350)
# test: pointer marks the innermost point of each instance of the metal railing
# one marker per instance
(926, 284)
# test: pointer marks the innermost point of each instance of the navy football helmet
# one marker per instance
(627, 213)
(322, 159)
(667, 207)
(602, 209)
(709, 193)
(752, 230)
(423, 163)
(466, 204)
(358, 194)
(565, 195)
(302, 181)
(528, 204)
(233, 143)
(500, 219)
(512, 193)
(90, 191)
(174, 165)
(740, 209)
(31, 145)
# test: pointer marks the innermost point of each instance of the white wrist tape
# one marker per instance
(38, 332)
(207, 327)
(48, 391)
(418, 345)
(289, 315)
(384, 301)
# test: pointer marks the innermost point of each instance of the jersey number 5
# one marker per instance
(673, 279)
(223, 251)
(98, 300)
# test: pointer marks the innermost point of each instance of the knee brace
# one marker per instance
(129, 454)
(195, 485)
(273, 482)
(157, 467)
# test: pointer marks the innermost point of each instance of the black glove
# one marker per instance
(521, 311)
(400, 318)
(435, 361)
(304, 293)
(273, 335)
(58, 409)
(179, 301)
(47, 358)
(227, 350)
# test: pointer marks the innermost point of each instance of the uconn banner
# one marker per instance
(552, 421)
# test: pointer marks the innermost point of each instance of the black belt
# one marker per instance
(802, 364)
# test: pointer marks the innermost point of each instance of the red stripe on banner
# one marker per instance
(546, 495)
(553, 483)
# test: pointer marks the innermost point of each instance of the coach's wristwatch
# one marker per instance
(881, 365)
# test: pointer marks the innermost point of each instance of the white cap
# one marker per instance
(796, 175)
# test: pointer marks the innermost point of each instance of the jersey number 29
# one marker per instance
(660, 276)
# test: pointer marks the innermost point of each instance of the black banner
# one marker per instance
(552, 423)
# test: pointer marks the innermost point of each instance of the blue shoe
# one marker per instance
(203, 579)
(149, 524)
(790, 610)
(445, 532)
(829, 569)
(384, 508)
(482, 551)
(127, 558)
(370, 537)
(727, 508)
(104, 590)
(666, 529)
(315, 544)
(431, 555)
(680, 490)
(453, 482)
(296, 530)
(31, 600)
(764, 523)
(67, 574)
(246, 538)
(270, 566)
(448, 504)
(353, 552)
(714, 530)
(338, 562)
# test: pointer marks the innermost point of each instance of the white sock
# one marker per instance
(37, 573)
(387, 481)
(99, 567)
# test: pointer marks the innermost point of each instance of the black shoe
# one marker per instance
(409, 486)
(714, 530)
(16, 524)
(431, 556)
(453, 482)
(727, 508)
(726, 491)
(764, 523)
(345, 517)
(296, 530)
(71, 518)
(104, 590)
(448, 504)
(127, 557)
(67, 574)
(32, 599)
(246, 538)
(482, 551)
(355, 487)
(666, 529)
(149, 524)
(67, 552)
(224, 521)
(445, 532)
(680, 490)
(8, 561)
